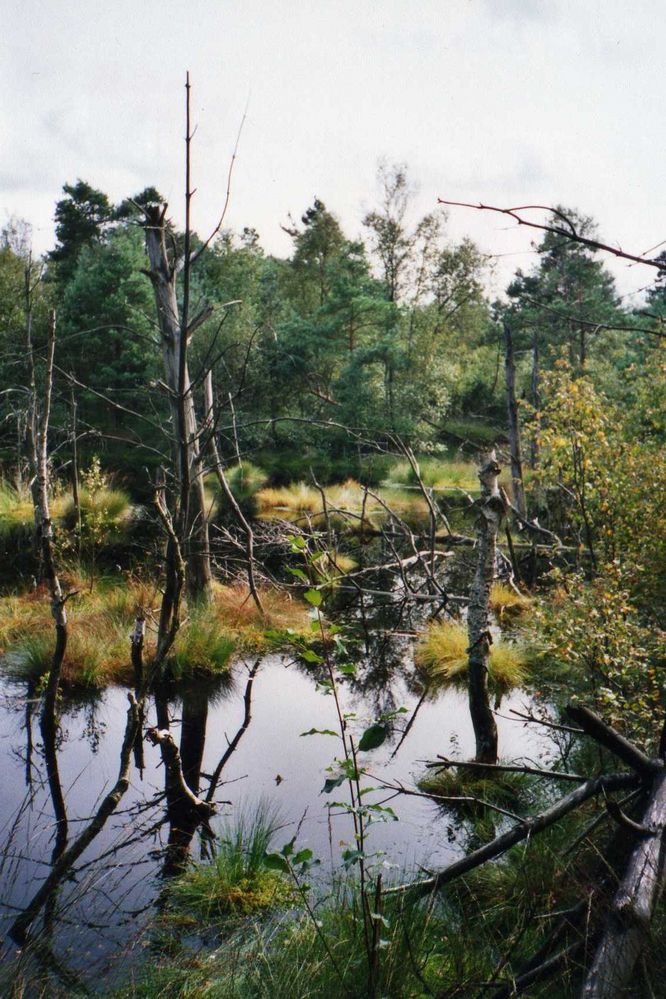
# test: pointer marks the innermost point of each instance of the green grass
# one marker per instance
(289, 959)
(237, 880)
(440, 474)
(441, 657)
(513, 791)
(201, 647)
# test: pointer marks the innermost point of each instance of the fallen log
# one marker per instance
(628, 925)
(606, 736)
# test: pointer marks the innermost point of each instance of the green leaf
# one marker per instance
(373, 737)
(331, 783)
(321, 731)
(348, 669)
(298, 573)
(352, 857)
(313, 597)
(276, 862)
(303, 857)
(311, 656)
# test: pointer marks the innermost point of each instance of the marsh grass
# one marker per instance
(441, 657)
(98, 647)
(439, 474)
(514, 791)
(507, 603)
(287, 959)
(107, 506)
(17, 511)
(300, 502)
(202, 646)
(237, 880)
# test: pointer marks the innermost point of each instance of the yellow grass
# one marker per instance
(441, 657)
(235, 609)
(507, 602)
(98, 647)
(301, 503)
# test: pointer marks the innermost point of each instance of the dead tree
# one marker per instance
(175, 330)
(227, 492)
(490, 514)
(622, 934)
(514, 424)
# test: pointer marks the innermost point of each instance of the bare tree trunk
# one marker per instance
(628, 927)
(193, 515)
(514, 424)
(38, 432)
(244, 523)
(534, 446)
(76, 498)
(491, 512)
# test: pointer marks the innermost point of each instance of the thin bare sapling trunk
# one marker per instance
(191, 520)
(38, 432)
(244, 523)
(491, 512)
(514, 423)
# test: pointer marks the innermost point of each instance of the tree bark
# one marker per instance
(628, 927)
(193, 512)
(514, 424)
(491, 512)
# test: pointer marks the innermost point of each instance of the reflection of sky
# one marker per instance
(285, 703)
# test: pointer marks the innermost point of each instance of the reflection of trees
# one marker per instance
(187, 812)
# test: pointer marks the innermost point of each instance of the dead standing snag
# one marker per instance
(491, 512)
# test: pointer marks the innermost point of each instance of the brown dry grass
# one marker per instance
(98, 646)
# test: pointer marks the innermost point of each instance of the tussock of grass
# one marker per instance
(105, 506)
(237, 880)
(507, 602)
(441, 657)
(201, 647)
(16, 507)
(17, 511)
(235, 609)
(98, 647)
(513, 791)
(299, 501)
(439, 474)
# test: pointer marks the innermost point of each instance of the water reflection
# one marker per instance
(238, 740)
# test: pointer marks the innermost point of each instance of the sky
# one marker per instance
(501, 101)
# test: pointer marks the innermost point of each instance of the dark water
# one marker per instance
(111, 894)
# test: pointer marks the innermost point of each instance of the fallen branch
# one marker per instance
(606, 736)
(526, 829)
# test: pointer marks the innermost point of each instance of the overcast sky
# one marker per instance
(505, 101)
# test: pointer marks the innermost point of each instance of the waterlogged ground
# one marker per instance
(100, 911)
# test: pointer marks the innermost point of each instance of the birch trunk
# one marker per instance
(491, 512)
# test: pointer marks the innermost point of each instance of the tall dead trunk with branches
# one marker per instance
(514, 423)
(491, 512)
(39, 415)
(175, 330)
